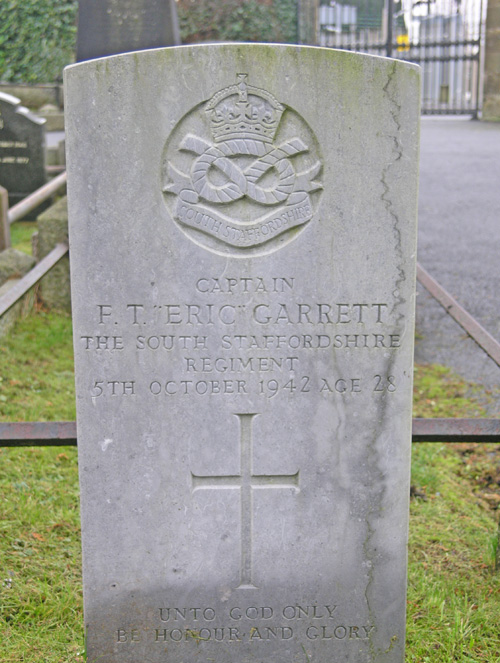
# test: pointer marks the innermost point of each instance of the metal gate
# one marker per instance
(443, 36)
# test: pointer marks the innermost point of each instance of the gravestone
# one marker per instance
(106, 27)
(22, 149)
(54, 288)
(242, 227)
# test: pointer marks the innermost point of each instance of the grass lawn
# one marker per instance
(20, 235)
(453, 589)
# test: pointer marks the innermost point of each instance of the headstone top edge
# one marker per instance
(9, 99)
(22, 110)
(238, 45)
(243, 230)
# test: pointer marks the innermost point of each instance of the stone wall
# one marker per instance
(54, 289)
(52, 229)
(35, 96)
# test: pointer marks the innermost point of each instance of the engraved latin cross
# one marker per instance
(246, 482)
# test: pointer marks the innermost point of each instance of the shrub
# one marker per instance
(37, 39)
(238, 20)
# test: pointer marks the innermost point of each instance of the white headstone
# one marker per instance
(242, 227)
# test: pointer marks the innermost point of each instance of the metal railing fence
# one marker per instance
(20, 434)
(444, 37)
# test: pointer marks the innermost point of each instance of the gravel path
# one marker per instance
(459, 242)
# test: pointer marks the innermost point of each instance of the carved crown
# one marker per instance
(244, 111)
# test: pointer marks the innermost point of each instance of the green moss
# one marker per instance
(440, 393)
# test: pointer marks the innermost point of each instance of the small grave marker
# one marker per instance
(22, 149)
(242, 226)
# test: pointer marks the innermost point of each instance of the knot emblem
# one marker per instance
(239, 191)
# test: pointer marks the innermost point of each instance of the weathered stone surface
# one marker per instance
(14, 264)
(55, 288)
(52, 227)
(106, 27)
(242, 228)
(56, 154)
(53, 116)
(19, 310)
(22, 143)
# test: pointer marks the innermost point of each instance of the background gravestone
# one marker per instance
(22, 149)
(54, 288)
(106, 27)
(243, 280)
(13, 266)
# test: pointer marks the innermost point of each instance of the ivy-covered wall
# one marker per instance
(37, 39)
(238, 20)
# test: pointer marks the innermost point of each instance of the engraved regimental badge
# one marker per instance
(239, 172)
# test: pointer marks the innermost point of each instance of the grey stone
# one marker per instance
(14, 264)
(52, 155)
(56, 154)
(53, 116)
(22, 155)
(55, 288)
(242, 230)
(106, 27)
(20, 309)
